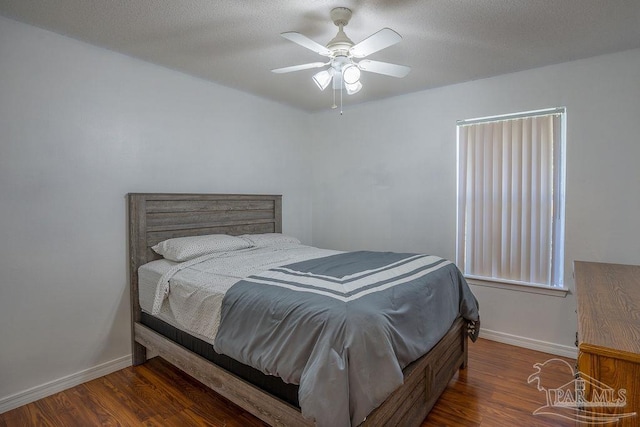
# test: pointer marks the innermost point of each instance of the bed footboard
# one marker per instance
(424, 381)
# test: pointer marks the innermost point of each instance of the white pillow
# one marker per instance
(270, 239)
(185, 248)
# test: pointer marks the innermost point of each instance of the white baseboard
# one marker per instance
(531, 344)
(56, 386)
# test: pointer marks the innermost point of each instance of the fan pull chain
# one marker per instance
(341, 98)
(334, 106)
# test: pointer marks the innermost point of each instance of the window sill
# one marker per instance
(521, 287)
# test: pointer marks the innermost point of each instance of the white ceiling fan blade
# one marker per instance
(305, 41)
(385, 68)
(384, 38)
(299, 67)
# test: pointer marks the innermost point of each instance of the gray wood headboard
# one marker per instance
(154, 217)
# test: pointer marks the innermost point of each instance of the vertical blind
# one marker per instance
(506, 198)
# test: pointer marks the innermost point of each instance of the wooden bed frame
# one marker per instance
(156, 217)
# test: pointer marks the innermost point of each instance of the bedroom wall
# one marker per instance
(389, 180)
(80, 127)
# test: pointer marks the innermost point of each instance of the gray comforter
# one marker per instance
(343, 327)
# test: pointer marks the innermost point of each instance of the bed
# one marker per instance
(154, 218)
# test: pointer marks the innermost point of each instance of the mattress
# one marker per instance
(195, 293)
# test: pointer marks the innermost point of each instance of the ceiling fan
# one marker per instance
(345, 57)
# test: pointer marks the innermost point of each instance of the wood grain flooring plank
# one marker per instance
(129, 412)
(32, 415)
(59, 409)
(94, 406)
(132, 389)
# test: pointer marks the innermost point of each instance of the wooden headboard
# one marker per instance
(154, 217)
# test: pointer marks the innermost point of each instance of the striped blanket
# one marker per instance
(344, 326)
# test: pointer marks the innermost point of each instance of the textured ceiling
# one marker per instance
(236, 43)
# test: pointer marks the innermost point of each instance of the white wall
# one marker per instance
(384, 178)
(79, 128)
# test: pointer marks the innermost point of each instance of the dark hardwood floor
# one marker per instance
(492, 391)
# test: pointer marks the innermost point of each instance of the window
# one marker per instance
(510, 225)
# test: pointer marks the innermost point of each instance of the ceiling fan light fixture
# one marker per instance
(351, 74)
(352, 87)
(322, 79)
(346, 59)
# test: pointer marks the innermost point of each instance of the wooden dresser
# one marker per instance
(608, 307)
